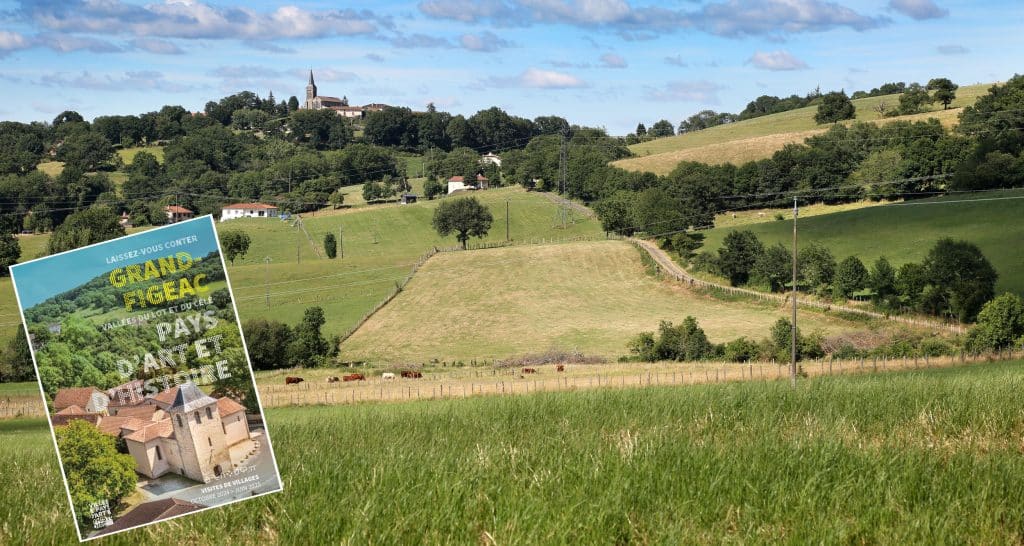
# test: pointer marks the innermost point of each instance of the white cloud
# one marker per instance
(611, 60)
(919, 9)
(536, 78)
(12, 41)
(486, 41)
(196, 19)
(776, 60)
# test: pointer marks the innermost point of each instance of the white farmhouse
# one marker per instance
(248, 210)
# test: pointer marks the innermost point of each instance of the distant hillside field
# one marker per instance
(380, 242)
(905, 232)
(759, 138)
(592, 297)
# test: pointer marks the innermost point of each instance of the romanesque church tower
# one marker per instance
(199, 433)
(310, 91)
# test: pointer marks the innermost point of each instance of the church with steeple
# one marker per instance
(316, 101)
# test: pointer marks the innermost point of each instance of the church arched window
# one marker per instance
(209, 414)
(180, 422)
(197, 418)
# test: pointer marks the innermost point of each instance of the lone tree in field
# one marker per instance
(235, 243)
(851, 276)
(835, 107)
(465, 217)
(961, 279)
(945, 91)
(739, 252)
(330, 245)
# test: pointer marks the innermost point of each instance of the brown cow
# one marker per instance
(560, 368)
(293, 380)
(333, 379)
(529, 370)
(353, 377)
(411, 374)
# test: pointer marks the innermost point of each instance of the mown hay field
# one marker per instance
(590, 297)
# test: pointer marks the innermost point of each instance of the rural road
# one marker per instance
(673, 269)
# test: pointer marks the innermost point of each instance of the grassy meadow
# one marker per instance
(927, 456)
(591, 296)
(906, 232)
(760, 137)
(381, 244)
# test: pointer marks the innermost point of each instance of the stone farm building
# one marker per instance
(248, 210)
(316, 101)
(180, 430)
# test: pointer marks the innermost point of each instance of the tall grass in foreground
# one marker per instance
(915, 457)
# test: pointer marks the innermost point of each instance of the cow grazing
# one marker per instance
(529, 370)
(333, 379)
(409, 374)
(560, 368)
(386, 376)
(353, 377)
(293, 380)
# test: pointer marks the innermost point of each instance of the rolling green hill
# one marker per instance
(380, 243)
(590, 296)
(760, 137)
(905, 232)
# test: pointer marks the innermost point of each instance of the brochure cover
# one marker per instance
(147, 381)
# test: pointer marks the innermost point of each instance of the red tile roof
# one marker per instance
(479, 178)
(148, 412)
(74, 396)
(167, 396)
(113, 425)
(227, 406)
(175, 209)
(160, 429)
(251, 206)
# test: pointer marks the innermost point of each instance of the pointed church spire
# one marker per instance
(311, 77)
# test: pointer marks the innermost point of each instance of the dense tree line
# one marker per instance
(274, 345)
(954, 280)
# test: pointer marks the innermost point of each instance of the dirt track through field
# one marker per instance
(674, 270)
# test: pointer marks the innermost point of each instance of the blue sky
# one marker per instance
(607, 63)
(44, 278)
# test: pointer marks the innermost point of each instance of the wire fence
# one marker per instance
(493, 382)
(667, 267)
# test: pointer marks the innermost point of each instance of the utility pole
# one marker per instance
(506, 221)
(792, 362)
(266, 280)
(563, 164)
(341, 243)
(298, 253)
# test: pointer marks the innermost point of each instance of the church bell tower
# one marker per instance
(310, 91)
